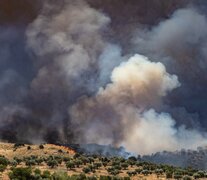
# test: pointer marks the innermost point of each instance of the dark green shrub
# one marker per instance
(86, 170)
(187, 178)
(66, 159)
(60, 176)
(105, 164)
(92, 178)
(39, 161)
(37, 171)
(52, 163)
(20, 173)
(169, 174)
(18, 160)
(30, 162)
(41, 146)
(70, 165)
(60, 151)
(46, 174)
(124, 165)
(78, 162)
(4, 161)
(13, 163)
(77, 155)
(138, 171)
(105, 178)
(196, 176)
(178, 176)
(2, 167)
(132, 158)
(145, 172)
(17, 145)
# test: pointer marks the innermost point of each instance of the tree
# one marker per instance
(13, 163)
(30, 162)
(46, 174)
(3, 161)
(41, 146)
(132, 158)
(70, 165)
(37, 171)
(169, 174)
(86, 170)
(52, 163)
(2, 168)
(78, 162)
(60, 176)
(124, 165)
(187, 178)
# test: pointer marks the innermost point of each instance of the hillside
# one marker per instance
(58, 162)
(196, 159)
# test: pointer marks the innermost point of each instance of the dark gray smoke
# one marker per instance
(71, 72)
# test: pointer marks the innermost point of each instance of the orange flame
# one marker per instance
(64, 148)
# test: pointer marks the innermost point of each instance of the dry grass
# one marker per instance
(9, 151)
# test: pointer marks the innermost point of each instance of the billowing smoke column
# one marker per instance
(75, 75)
(121, 113)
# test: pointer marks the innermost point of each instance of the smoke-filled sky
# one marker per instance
(129, 73)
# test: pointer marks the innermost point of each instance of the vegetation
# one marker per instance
(63, 166)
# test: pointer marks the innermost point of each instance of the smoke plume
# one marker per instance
(72, 72)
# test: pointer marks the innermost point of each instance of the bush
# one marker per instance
(3, 161)
(124, 165)
(86, 170)
(28, 147)
(41, 146)
(177, 176)
(52, 163)
(92, 178)
(60, 176)
(13, 163)
(187, 178)
(132, 158)
(105, 178)
(115, 172)
(37, 171)
(20, 173)
(138, 171)
(30, 162)
(77, 155)
(66, 159)
(201, 173)
(46, 174)
(18, 160)
(2, 167)
(60, 151)
(78, 163)
(145, 172)
(105, 164)
(82, 176)
(196, 176)
(169, 174)
(70, 165)
(39, 161)
(17, 145)
(97, 165)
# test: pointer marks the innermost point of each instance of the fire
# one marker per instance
(64, 148)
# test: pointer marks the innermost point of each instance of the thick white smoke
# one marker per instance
(121, 113)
